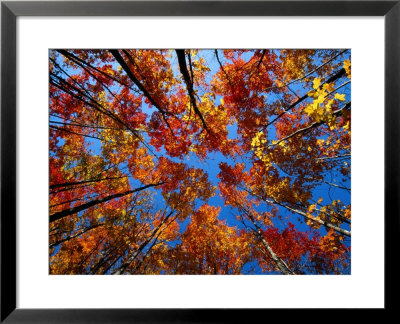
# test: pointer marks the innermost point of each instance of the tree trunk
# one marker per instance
(123, 267)
(280, 264)
(74, 210)
(75, 235)
(189, 84)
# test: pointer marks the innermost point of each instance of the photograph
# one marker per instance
(199, 161)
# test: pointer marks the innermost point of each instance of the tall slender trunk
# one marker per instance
(314, 219)
(189, 84)
(75, 235)
(131, 76)
(334, 77)
(77, 209)
(280, 264)
(126, 264)
(105, 258)
(68, 184)
(320, 221)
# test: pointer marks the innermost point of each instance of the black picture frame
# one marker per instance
(10, 10)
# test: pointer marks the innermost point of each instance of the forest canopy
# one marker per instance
(199, 161)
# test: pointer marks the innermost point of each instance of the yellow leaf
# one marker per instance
(340, 97)
(320, 99)
(316, 83)
(347, 67)
(309, 110)
(328, 87)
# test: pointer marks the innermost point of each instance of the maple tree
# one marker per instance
(199, 161)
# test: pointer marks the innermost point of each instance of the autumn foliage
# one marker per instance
(199, 161)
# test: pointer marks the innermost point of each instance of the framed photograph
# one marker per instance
(163, 161)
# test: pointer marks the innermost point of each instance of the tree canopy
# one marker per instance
(199, 161)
